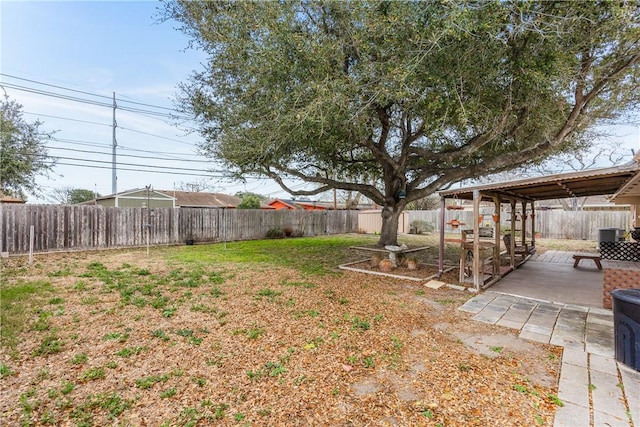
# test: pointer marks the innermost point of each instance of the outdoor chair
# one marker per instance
(521, 251)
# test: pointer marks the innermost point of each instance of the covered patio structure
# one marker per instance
(480, 252)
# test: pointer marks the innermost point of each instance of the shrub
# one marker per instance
(275, 233)
(421, 226)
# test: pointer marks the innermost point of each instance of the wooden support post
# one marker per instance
(463, 257)
(523, 224)
(512, 249)
(496, 237)
(441, 247)
(533, 224)
(477, 276)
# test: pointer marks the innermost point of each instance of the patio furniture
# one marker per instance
(521, 251)
(487, 249)
(595, 257)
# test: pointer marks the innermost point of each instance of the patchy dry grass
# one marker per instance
(263, 333)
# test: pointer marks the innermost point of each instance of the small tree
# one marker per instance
(23, 152)
(249, 201)
(243, 194)
(195, 186)
(80, 195)
(70, 196)
(424, 204)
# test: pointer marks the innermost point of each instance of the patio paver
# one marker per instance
(574, 385)
(517, 315)
(569, 330)
(607, 396)
(631, 382)
(478, 302)
(540, 325)
(599, 338)
(594, 388)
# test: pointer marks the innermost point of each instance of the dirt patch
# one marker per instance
(147, 341)
(508, 345)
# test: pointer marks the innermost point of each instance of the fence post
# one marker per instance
(31, 237)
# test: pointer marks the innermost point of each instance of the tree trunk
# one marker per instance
(389, 232)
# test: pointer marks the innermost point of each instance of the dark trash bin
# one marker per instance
(607, 234)
(626, 324)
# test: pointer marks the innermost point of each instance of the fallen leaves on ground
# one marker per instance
(248, 344)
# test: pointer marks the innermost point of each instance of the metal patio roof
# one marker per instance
(617, 180)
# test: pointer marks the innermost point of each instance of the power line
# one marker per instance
(67, 118)
(80, 142)
(85, 92)
(145, 104)
(136, 170)
(88, 101)
(55, 95)
(131, 155)
(110, 125)
(123, 147)
(170, 168)
(55, 86)
(158, 115)
(157, 136)
(130, 164)
(151, 171)
(85, 101)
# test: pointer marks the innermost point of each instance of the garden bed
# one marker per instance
(424, 272)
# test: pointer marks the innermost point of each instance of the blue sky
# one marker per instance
(101, 48)
(116, 46)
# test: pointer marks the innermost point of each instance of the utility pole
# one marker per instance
(114, 177)
(148, 224)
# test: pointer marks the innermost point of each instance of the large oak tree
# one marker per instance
(399, 99)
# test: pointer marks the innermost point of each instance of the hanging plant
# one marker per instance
(455, 223)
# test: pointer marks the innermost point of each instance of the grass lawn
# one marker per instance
(260, 333)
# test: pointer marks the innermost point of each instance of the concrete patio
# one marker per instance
(551, 277)
(549, 301)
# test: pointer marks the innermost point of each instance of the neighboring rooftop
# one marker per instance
(5, 198)
(192, 199)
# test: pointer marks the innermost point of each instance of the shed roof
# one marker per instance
(559, 186)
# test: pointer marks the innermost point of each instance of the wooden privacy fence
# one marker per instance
(61, 228)
(574, 225)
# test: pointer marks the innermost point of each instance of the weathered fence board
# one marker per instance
(574, 225)
(59, 228)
